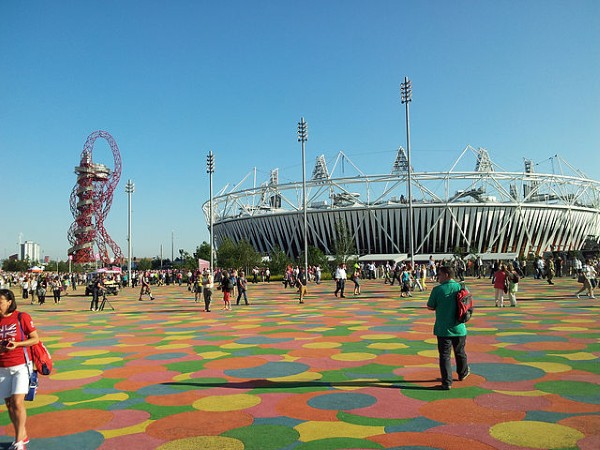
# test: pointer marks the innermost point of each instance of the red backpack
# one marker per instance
(40, 356)
(464, 303)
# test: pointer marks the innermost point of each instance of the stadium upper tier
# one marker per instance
(486, 210)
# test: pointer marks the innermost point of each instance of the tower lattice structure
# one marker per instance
(90, 202)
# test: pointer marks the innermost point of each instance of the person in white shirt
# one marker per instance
(340, 280)
(587, 274)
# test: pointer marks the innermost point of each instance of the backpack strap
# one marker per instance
(27, 359)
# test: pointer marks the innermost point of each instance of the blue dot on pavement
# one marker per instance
(342, 401)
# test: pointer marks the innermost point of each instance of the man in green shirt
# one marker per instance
(450, 334)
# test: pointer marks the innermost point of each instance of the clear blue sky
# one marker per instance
(171, 80)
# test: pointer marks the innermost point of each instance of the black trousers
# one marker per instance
(445, 346)
(94, 302)
(340, 285)
(207, 298)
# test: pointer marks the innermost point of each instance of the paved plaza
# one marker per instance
(353, 373)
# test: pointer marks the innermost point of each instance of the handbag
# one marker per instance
(33, 385)
(33, 376)
(581, 278)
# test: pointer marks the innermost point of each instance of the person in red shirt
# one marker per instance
(500, 285)
(14, 373)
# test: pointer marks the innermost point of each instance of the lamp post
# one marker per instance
(129, 188)
(210, 169)
(406, 97)
(172, 248)
(302, 138)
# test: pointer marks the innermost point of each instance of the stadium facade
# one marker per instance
(484, 210)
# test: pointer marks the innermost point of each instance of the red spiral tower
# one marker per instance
(90, 202)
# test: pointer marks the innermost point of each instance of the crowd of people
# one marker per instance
(233, 283)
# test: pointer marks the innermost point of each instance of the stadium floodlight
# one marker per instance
(406, 98)
(129, 188)
(302, 138)
(210, 169)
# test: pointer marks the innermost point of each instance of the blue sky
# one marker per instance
(172, 80)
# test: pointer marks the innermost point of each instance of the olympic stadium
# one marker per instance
(473, 207)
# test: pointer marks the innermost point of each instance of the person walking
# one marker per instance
(460, 269)
(396, 274)
(478, 267)
(302, 282)
(145, 281)
(318, 274)
(242, 286)
(416, 274)
(56, 289)
(550, 270)
(356, 280)
(340, 280)
(226, 287)
(405, 279)
(500, 285)
(197, 287)
(25, 287)
(207, 288)
(586, 275)
(14, 369)
(97, 289)
(513, 285)
(450, 334)
(431, 266)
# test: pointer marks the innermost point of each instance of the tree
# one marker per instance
(144, 264)
(203, 251)
(226, 254)
(247, 256)
(15, 265)
(315, 257)
(187, 261)
(279, 261)
(58, 266)
(344, 246)
(237, 256)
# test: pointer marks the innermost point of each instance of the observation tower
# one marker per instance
(90, 201)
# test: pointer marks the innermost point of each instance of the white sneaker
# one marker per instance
(18, 446)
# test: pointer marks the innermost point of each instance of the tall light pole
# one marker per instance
(129, 188)
(210, 169)
(302, 138)
(406, 96)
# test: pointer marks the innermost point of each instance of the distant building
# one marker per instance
(31, 251)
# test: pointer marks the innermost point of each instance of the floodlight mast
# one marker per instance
(210, 169)
(406, 97)
(129, 188)
(302, 138)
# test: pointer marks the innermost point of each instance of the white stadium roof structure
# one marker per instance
(485, 210)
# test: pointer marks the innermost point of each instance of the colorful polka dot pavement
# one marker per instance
(332, 373)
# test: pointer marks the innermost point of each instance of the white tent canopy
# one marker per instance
(382, 257)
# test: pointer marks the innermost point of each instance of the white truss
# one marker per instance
(484, 210)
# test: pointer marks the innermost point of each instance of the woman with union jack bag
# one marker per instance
(14, 370)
